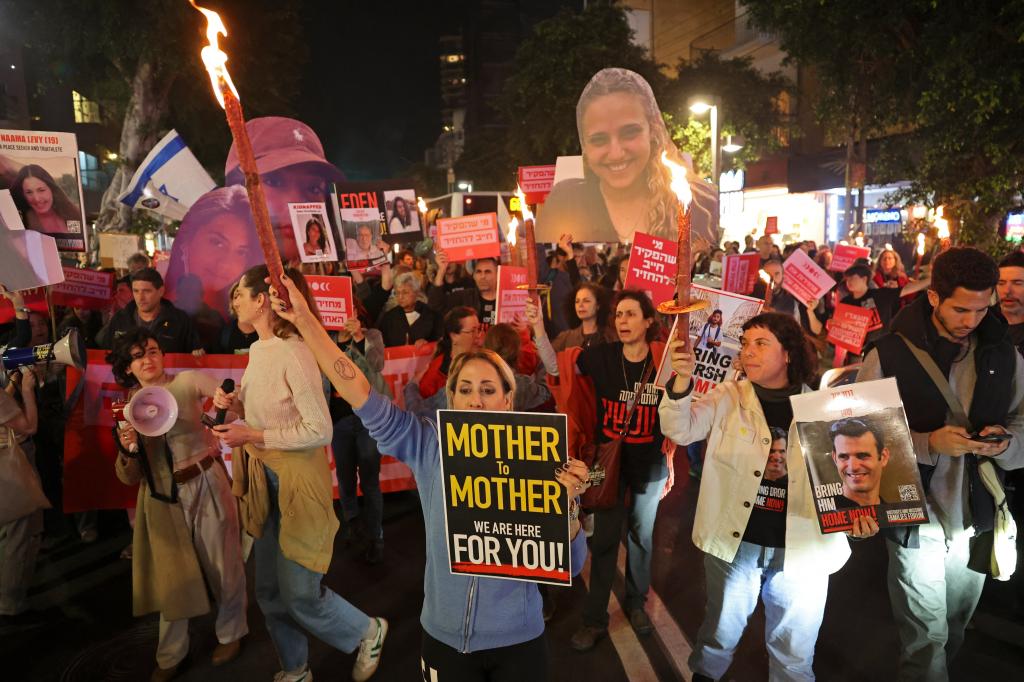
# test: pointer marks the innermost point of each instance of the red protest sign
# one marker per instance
(849, 327)
(802, 277)
(333, 297)
(511, 301)
(845, 255)
(771, 225)
(536, 182)
(739, 272)
(84, 289)
(652, 267)
(469, 237)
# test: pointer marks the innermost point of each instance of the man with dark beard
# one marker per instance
(949, 332)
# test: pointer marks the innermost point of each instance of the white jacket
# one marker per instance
(731, 419)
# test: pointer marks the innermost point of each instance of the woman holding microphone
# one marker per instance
(475, 629)
(774, 551)
(284, 482)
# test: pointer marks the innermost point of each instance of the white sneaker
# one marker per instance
(303, 674)
(369, 653)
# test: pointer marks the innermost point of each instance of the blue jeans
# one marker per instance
(604, 549)
(354, 450)
(293, 598)
(793, 607)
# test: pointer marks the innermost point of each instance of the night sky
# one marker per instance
(371, 87)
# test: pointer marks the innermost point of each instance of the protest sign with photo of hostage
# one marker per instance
(360, 228)
(859, 454)
(41, 170)
(715, 337)
(313, 232)
(506, 516)
(394, 202)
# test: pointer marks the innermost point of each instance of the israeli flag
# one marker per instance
(169, 180)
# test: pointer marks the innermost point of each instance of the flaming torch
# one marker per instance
(942, 227)
(511, 237)
(682, 306)
(215, 61)
(768, 285)
(531, 252)
(919, 253)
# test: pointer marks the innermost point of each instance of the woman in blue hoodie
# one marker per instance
(474, 628)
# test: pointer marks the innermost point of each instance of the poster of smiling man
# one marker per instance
(859, 455)
(624, 186)
(41, 170)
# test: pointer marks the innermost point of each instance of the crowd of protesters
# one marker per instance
(584, 352)
(588, 351)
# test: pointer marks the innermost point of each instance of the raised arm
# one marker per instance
(347, 379)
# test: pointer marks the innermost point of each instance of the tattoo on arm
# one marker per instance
(344, 368)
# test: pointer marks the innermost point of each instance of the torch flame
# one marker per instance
(422, 205)
(765, 277)
(920, 243)
(513, 227)
(941, 224)
(523, 207)
(680, 187)
(214, 58)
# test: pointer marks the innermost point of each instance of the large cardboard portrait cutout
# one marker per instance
(624, 187)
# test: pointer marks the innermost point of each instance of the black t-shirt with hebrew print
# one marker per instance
(616, 381)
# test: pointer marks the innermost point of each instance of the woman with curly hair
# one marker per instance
(587, 311)
(625, 185)
(758, 531)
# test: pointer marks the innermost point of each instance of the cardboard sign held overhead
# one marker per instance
(116, 248)
(804, 279)
(505, 514)
(740, 272)
(84, 289)
(333, 297)
(771, 225)
(469, 237)
(652, 267)
(849, 327)
(511, 301)
(536, 182)
(846, 255)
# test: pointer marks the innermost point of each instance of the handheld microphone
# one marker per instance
(228, 387)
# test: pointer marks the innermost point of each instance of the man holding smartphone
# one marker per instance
(950, 333)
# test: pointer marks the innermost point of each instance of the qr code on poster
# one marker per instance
(908, 493)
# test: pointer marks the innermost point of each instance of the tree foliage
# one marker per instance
(140, 60)
(946, 75)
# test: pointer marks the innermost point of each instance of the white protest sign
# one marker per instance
(802, 277)
(28, 259)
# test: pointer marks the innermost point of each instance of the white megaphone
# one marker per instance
(70, 350)
(152, 411)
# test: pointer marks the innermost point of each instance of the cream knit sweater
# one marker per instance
(282, 394)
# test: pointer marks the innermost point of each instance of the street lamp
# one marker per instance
(700, 105)
(733, 143)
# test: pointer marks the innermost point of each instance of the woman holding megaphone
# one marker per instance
(186, 532)
(474, 627)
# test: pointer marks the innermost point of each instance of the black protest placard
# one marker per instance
(506, 516)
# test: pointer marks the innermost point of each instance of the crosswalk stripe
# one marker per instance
(670, 636)
(632, 655)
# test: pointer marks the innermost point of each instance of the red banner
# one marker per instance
(511, 301)
(469, 237)
(849, 326)
(845, 255)
(771, 225)
(333, 297)
(739, 272)
(652, 267)
(536, 182)
(89, 450)
(84, 289)
(35, 299)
